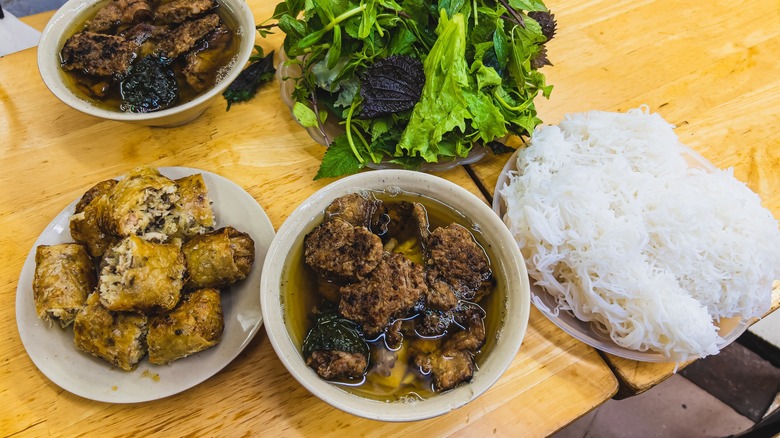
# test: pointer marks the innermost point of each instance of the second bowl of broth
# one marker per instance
(290, 293)
(81, 84)
(72, 88)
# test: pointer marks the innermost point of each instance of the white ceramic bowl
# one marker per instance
(507, 263)
(59, 29)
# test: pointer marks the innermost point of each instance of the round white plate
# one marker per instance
(588, 331)
(52, 349)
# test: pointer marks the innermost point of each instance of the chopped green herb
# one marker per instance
(149, 86)
(333, 332)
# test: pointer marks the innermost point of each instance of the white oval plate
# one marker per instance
(52, 349)
(587, 331)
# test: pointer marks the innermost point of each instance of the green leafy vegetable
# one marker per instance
(333, 332)
(339, 160)
(391, 85)
(150, 85)
(245, 86)
(480, 61)
(305, 115)
(443, 106)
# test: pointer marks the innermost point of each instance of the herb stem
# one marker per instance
(349, 134)
(344, 16)
(376, 159)
(518, 18)
(521, 107)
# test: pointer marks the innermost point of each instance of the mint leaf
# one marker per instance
(288, 7)
(379, 127)
(338, 160)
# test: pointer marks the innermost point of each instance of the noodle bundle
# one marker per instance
(616, 223)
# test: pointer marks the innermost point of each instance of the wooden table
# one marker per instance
(50, 154)
(712, 69)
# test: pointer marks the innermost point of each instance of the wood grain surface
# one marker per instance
(711, 69)
(50, 154)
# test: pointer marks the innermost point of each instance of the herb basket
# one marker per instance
(286, 74)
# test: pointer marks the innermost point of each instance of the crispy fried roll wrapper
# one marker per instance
(84, 226)
(142, 203)
(219, 258)
(117, 337)
(193, 210)
(141, 276)
(64, 276)
(194, 325)
(95, 192)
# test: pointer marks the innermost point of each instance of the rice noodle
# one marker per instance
(620, 229)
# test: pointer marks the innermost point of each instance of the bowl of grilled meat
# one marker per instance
(395, 295)
(157, 63)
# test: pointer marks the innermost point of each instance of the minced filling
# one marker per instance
(116, 264)
(155, 218)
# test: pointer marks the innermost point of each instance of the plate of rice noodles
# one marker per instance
(635, 244)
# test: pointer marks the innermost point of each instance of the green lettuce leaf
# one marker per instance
(442, 106)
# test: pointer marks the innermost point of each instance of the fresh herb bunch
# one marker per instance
(478, 60)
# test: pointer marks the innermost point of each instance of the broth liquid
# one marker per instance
(300, 296)
(76, 81)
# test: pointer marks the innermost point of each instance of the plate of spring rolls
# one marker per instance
(145, 286)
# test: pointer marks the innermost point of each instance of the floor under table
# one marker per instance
(718, 396)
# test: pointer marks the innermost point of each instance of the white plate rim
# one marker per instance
(583, 330)
(92, 378)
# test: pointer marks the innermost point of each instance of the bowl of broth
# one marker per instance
(155, 63)
(395, 295)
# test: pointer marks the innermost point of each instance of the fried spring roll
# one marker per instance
(142, 203)
(219, 258)
(117, 337)
(64, 276)
(84, 226)
(194, 325)
(141, 276)
(193, 210)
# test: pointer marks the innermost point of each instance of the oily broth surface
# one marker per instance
(186, 93)
(299, 296)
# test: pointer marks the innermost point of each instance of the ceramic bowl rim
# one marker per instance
(53, 36)
(504, 246)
